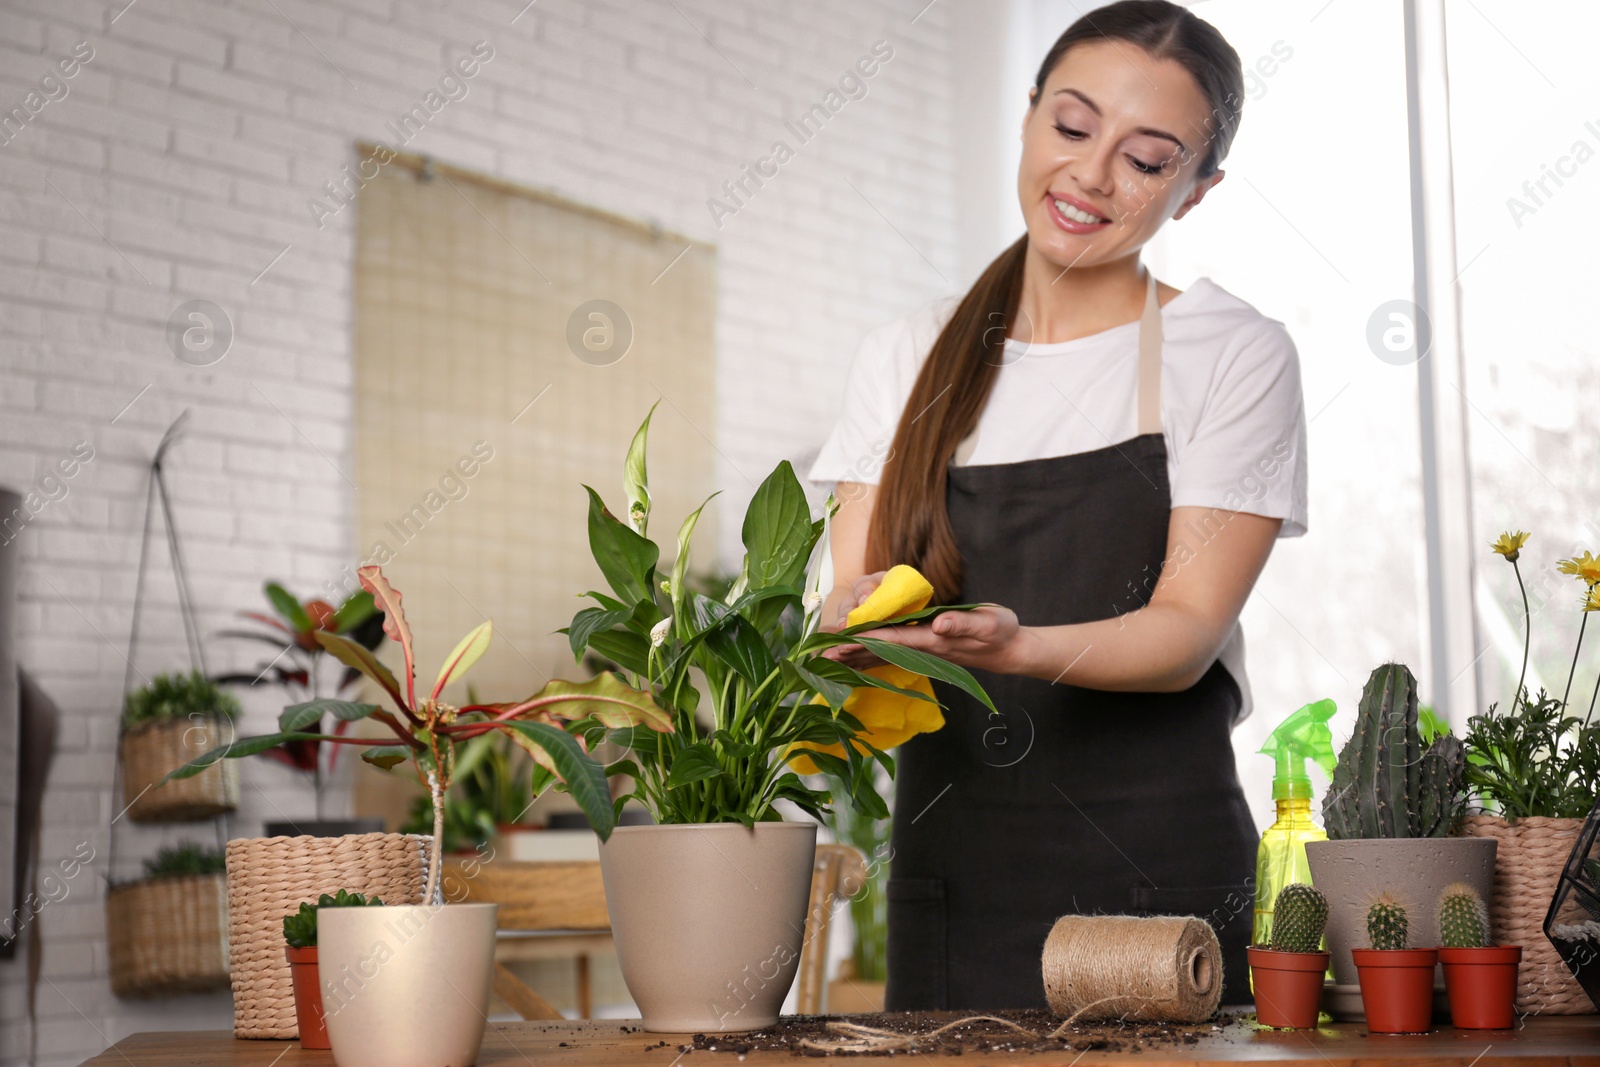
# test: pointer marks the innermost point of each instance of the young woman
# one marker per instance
(1104, 462)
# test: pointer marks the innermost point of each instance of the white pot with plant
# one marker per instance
(708, 905)
(408, 985)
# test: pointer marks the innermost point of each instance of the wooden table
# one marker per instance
(1571, 1041)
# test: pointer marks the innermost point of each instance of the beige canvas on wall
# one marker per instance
(478, 422)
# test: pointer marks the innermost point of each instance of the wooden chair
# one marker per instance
(558, 910)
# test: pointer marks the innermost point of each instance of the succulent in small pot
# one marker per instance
(1480, 978)
(300, 947)
(1286, 973)
(1396, 980)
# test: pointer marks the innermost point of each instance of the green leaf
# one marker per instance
(626, 559)
(287, 606)
(777, 530)
(680, 565)
(583, 777)
(299, 716)
(627, 650)
(386, 756)
(351, 654)
(357, 609)
(914, 660)
(736, 643)
(635, 481)
(694, 763)
(835, 671)
(244, 746)
(910, 616)
(590, 621)
(466, 653)
(604, 697)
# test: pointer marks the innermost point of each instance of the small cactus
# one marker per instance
(1298, 917)
(1463, 919)
(1386, 923)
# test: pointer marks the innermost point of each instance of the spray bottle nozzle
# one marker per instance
(1302, 736)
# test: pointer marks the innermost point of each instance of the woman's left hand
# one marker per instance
(986, 637)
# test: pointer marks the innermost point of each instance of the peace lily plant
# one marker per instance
(746, 695)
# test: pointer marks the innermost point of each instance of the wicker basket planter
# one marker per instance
(149, 752)
(168, 935)
(1531, 854)
(270, 877)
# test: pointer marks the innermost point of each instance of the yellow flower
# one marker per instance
(1510, 544)
(1591, 602)
(1586, 567)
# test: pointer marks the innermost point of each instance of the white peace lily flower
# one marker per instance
(813, 601)
(658, 632)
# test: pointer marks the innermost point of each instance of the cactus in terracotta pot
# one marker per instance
(1388, 928)
(1298, 919)
(1463, 918)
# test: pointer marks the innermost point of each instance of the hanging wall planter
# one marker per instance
(167, 933)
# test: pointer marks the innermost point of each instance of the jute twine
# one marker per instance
(269, 877)
(1529, 857)
(1096, 967)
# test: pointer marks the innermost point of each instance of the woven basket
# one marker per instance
(149, 752)
(270, 877)
(168, 935)
(1530, 856)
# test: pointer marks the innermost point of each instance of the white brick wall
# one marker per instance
(191, 142)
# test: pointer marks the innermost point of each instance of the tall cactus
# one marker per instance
(1386, 783)
(1387, 925)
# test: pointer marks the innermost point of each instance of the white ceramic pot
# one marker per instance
(709, 919)
(406, 985)
(1350, 873)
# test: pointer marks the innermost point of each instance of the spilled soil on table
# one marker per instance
(800, 1034)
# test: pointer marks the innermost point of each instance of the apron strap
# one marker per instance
(1149, 373)
(1150, 361)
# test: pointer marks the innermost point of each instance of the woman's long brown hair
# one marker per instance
(910, 523)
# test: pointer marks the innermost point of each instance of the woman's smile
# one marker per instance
(1075, 216)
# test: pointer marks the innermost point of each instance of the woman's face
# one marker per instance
(1110, 150)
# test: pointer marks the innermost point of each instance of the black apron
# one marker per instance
(1072, 800)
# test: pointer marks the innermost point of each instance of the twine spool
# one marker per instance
(1166, 968)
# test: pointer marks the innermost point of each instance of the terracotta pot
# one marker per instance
(1288, 987)
(307, 996)
(408, 985)
(1482, 984)
(1397, 988)
(709, 919)
(1350, 873)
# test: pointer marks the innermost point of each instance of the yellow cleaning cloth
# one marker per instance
(888, 719)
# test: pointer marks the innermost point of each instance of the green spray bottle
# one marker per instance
(1281, 858)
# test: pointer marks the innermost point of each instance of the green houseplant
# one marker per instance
(377, 963)
(1393, 805)
(746, 696)
(1286, 973)
(167, 720)
(1396, 979)
(1533, 772)
(300, 947)
(298, 666)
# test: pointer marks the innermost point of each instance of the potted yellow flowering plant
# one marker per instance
(1534, 770)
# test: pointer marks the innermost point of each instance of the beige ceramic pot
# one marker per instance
(709, 919)
(1416, 869)
(406, 985)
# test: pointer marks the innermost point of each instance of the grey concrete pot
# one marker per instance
(709, 919)
(1416, 869)
(406, 985)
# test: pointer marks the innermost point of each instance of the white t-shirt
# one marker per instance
(1231, 407)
